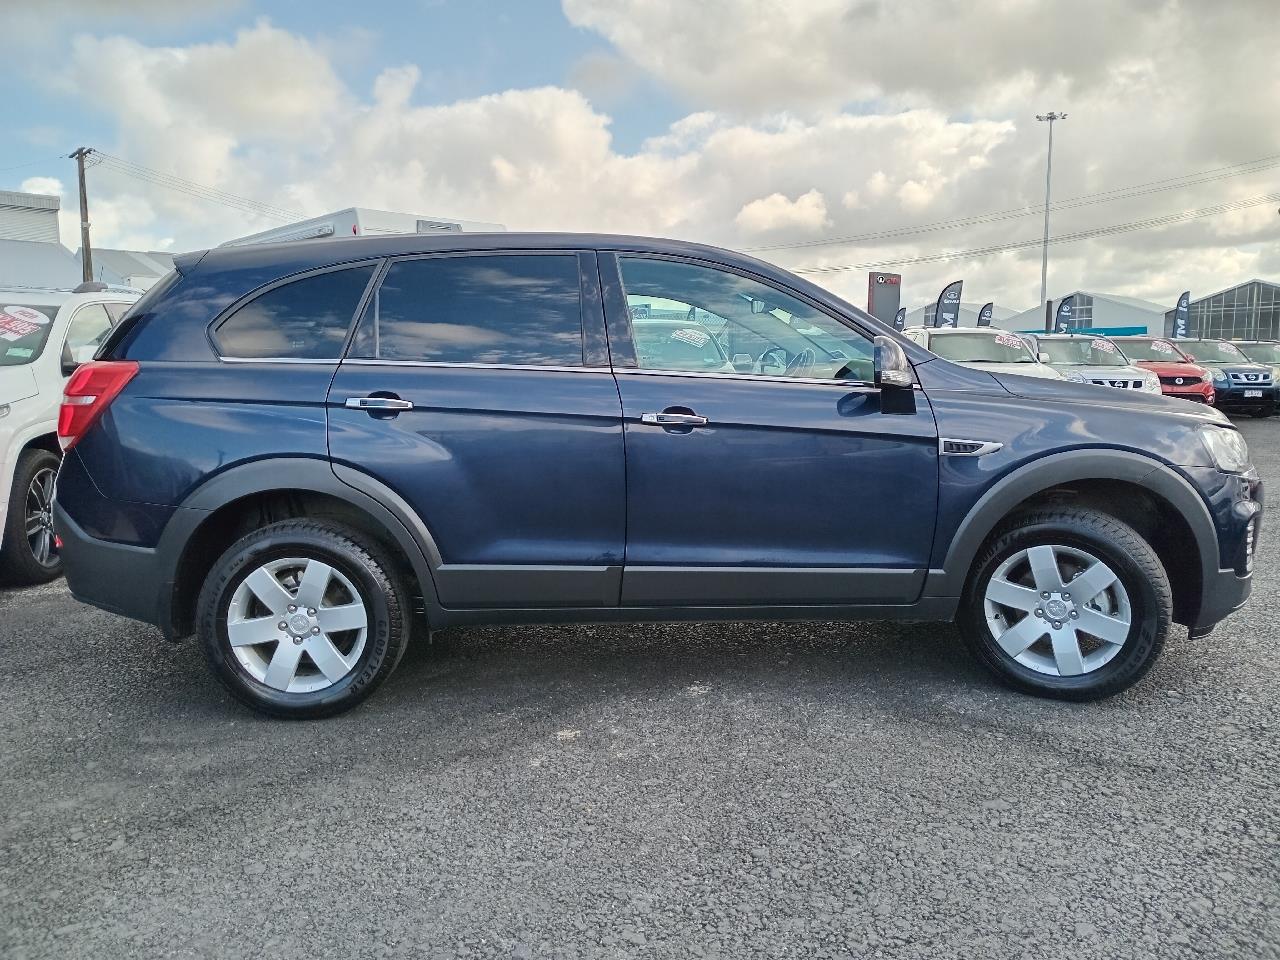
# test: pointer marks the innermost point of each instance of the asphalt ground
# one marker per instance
(772, 790)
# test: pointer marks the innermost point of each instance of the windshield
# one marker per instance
(1216, 351)
(1082, 352)
(981, 348)
(1157, 350)
(1262, 352)
(24, 328)
(676, 346)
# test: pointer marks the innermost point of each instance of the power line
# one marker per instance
(31, 163)
(1110, 230)
(1071, 203)
(191, 188)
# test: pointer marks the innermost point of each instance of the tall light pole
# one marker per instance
(1048, 179)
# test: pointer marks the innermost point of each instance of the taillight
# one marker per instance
(87, 395)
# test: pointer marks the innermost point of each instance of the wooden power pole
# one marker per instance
(86, 251)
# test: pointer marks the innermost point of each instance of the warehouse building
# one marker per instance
(1247, 311)
(363, 222)
(1105, 313)
(30, 252)
(129, 268)
(923, 316)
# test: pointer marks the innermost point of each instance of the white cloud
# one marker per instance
(807, 212)
(265, 115)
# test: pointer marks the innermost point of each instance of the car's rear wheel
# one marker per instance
(303, 619)
(30, 553)
(1068, 603)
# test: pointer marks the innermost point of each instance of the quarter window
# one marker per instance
(690, 318)
(88, 328)
(307, 319)
(493, 309)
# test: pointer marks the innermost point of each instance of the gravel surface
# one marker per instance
(773, 790)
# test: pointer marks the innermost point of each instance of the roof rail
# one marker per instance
(97, 286)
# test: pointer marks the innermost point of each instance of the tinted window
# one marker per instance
(677, 308)
(306, 320)
(482, 309)
(23, 330)
(88, 328)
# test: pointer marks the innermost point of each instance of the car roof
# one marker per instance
(1070, 336)
(946, 330)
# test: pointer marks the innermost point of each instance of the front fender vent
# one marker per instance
(949, 447)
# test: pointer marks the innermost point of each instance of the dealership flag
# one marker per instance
(900, 319)
(1180, 314)
(947, 312)
(984, 315)
(1062, 321)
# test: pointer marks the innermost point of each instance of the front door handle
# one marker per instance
(673, 419)
(378, 403)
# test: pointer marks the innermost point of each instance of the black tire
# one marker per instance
(362, 561)
(1118, 545)
(19, 565)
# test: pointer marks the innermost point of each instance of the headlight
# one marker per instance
(1218, 375)
(1226, 447)
(1075, 377)
(1150, 383)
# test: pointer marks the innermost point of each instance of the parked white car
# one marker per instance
(996, 351)
(44, 335)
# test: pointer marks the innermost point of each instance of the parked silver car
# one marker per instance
(1091, 359)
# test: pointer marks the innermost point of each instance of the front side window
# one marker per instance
(520, 309)
(691, 318)
(88, 328)
(24, 328)
(307, 319)
(981, 348)
(1093, 352)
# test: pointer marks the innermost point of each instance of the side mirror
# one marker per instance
(1042, 357)
(891, 366)
(759, 306)
(743, 362)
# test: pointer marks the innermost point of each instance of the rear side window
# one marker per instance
(513, 308)
(307, 319)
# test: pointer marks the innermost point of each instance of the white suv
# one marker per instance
(44, 335)
(983, 348)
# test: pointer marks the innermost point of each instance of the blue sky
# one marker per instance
(465, 48)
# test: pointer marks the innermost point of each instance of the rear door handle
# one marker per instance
(673, 419)
(378, 403)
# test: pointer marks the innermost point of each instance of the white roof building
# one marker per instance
(363, 222)
(1096, 313)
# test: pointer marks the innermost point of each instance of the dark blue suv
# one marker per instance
(301, 453)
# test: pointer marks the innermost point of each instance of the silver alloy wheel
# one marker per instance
(297, 625)
(39, 519)
(1058, 610)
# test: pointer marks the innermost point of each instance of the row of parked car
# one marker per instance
(303, 454)
(1240, 377)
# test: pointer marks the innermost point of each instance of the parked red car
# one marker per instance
(1179, 375)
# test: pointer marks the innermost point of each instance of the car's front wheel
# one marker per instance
(1068, 603)
(303, 618)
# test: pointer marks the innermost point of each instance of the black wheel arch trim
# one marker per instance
(309, 474)
(1068, 467)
